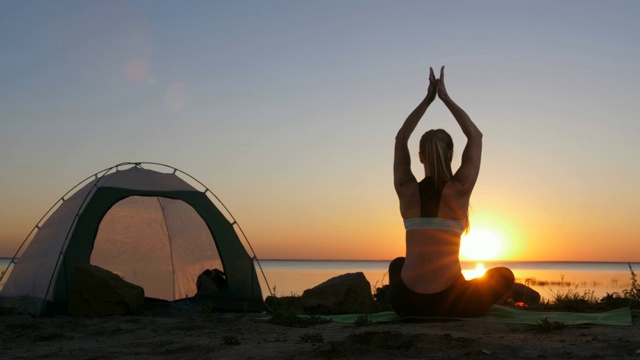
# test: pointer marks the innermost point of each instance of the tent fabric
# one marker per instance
(173, 226)
(152, 228)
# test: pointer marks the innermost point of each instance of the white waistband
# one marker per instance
(435, 224)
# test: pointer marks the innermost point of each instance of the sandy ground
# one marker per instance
(243, 336)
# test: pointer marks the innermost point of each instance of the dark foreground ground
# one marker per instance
(238, 336)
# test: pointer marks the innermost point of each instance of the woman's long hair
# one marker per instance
(436, 147)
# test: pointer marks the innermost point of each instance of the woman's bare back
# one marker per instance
(432, 262)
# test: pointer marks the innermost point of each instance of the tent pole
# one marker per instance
(173, 266)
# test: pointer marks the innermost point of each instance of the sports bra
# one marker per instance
(430, 196)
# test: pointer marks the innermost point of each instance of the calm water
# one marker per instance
(292, 277)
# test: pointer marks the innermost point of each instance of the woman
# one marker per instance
(429, 281)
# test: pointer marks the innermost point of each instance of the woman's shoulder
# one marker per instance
(457, 188)
(409, 197)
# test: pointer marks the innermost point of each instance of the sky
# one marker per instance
(287, 111)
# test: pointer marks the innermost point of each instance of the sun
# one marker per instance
(481, 244)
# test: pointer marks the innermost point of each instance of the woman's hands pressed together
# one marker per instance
(433, 86)
(442, 90)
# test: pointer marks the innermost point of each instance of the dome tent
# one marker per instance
(152, 228)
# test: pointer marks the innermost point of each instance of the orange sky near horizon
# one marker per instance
(354, 229)
(288, 111)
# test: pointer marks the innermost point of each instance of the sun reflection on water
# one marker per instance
(474, 273)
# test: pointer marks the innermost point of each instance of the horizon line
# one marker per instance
(476, 261)
(473, 261)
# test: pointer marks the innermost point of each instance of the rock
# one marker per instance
(99, 292)
(344, 294)
(525, 294)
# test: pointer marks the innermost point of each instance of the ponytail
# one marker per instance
(436, 147)
(437, 150)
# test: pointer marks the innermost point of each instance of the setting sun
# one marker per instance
(481, 244)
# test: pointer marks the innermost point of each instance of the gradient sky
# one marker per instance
(287, 110)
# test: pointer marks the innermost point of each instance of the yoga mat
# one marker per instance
(501, 314)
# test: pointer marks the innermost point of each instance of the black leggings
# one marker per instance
(462, 299)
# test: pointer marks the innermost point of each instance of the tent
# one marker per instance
(152, 228)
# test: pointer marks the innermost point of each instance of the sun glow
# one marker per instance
(481, 244)
(474, 273)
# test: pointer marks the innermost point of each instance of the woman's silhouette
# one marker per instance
(429, 280)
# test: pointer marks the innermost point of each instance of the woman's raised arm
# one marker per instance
(402, 174)
(469, 169)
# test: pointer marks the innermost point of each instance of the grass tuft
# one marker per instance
(633, 293)
(575, 301)
(567, 299)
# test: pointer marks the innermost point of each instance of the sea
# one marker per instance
(550, 279)
(593, 279)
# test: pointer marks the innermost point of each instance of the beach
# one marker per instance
(248, 336)
(161, 333)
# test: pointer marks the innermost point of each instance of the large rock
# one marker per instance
(344, 294)
(99, 292)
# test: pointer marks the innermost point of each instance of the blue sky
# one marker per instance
(287, 110)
